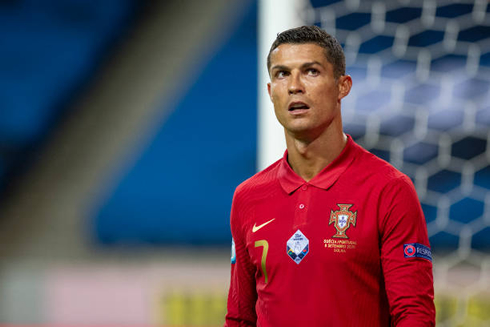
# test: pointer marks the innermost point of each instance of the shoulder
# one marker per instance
(251, 191)
(383, 180)
(390, 185)
(380, 171)
(262, 180)
(393, 191)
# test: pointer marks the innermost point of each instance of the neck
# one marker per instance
(308, 158)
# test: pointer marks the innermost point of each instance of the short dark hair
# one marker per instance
(313, 34)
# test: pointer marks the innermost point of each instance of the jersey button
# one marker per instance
(301, 206)
(304, 187)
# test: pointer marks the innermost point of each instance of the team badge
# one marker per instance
(298, 246)
(417, 250)
(342, 219)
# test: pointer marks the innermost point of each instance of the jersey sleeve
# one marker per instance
(242, 295)
(405, 256)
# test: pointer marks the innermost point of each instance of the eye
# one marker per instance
(312, 71)
(281, 74)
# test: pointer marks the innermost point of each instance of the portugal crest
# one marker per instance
(342, 219)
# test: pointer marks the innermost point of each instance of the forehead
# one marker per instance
(289, 54)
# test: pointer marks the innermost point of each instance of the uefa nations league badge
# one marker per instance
(297, 246)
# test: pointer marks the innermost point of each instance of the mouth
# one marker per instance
(298, 106)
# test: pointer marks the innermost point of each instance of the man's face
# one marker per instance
(303, 89)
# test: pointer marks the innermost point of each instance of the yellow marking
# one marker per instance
(256, 228)
(264, 254)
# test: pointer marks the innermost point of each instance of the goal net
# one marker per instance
(420, 100)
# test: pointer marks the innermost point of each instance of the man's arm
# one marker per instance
(405, 256)
(242, 295)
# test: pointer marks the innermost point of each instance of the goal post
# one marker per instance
(274, 16)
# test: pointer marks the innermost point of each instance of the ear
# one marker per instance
(344, 84)
(269, 90)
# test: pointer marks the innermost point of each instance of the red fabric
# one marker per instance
(361, 280)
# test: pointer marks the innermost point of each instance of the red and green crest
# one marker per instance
(342, 219)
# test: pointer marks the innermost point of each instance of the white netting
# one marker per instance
(421, 100)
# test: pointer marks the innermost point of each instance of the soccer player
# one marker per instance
(329, 235)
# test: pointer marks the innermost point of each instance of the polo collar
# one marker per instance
(290, 181)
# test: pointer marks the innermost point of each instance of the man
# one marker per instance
(329, 235)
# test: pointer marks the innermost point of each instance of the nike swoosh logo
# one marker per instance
(256, 228)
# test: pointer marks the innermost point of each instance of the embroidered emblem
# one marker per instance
(342, 219)
(298, 246)
(409, 250)
(417, 250)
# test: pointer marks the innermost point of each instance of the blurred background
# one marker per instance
(126, 125)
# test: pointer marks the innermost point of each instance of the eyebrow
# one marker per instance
(309, 64)
(305, 65)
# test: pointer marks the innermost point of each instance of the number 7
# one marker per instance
(264, 255)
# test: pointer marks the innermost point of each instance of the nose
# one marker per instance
(295, 84)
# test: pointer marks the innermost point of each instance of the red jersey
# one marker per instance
(347, 248)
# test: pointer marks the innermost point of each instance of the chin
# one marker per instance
(305, 131)
(301, 126)
(300, 132)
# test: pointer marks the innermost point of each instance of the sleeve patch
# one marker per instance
(233, 252)
(417, 250)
